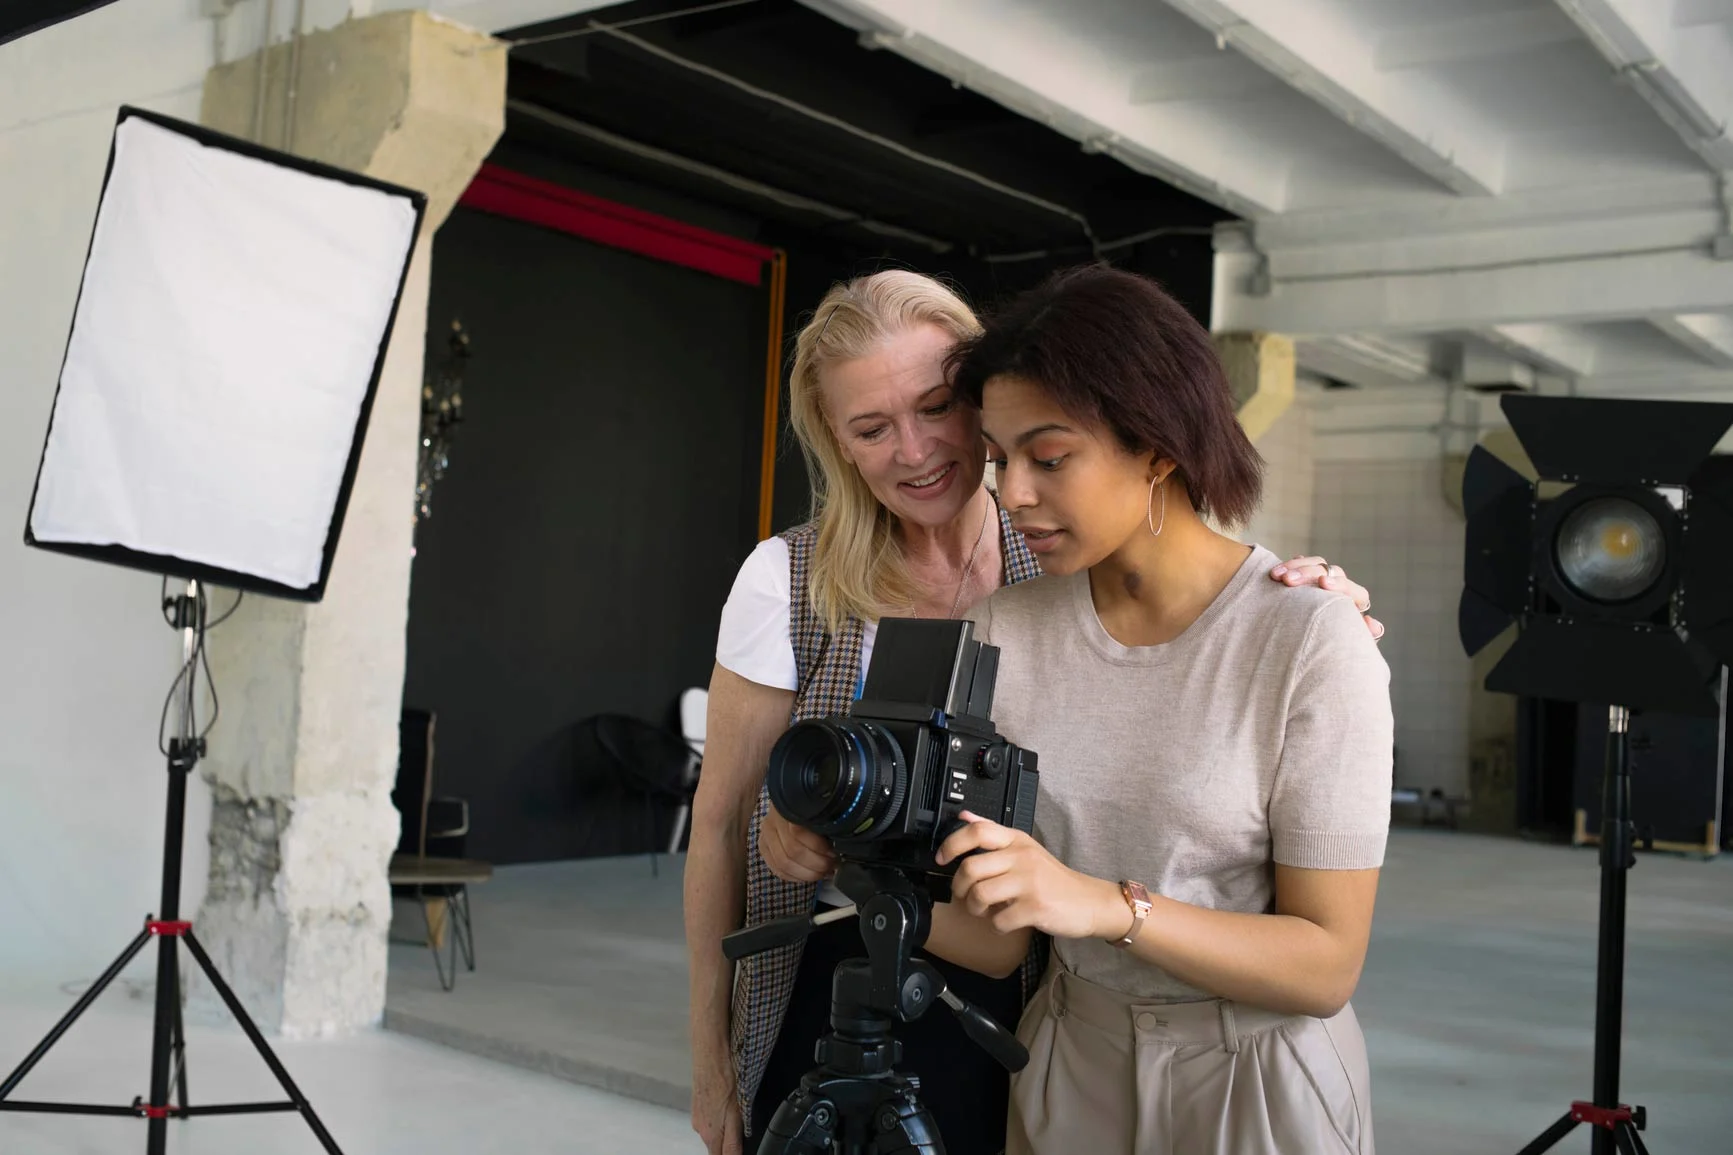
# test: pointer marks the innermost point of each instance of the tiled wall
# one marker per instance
(1389, 524)
(1283, 524)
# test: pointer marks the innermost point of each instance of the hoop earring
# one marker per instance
(1149, 510)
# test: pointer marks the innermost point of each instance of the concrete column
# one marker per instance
(303, 758)
(1260, 369)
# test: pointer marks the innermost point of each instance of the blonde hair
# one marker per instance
(858, 569)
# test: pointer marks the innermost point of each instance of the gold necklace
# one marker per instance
(969, 568)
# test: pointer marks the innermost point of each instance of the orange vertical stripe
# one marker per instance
(772, 392)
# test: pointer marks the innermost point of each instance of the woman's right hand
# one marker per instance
(715, 1110)
(794, 853)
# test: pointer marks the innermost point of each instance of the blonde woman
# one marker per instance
(902, 525)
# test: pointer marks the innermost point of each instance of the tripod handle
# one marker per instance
(988, 1033)
(765, 936)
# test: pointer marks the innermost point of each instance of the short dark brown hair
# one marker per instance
(1113, 348)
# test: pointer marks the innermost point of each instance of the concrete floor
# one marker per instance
(1477, 999)
(379, 1093)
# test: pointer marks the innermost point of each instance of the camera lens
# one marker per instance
(837, 777)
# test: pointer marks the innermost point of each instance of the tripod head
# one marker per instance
(895, 914)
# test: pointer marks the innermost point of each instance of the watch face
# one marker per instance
(1136, 892)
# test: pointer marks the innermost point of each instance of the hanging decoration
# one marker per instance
(441, 413)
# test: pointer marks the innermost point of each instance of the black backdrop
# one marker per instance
(604, 490)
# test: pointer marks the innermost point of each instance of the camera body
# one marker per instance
(887, 782)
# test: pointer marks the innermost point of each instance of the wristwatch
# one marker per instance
(1137, 898)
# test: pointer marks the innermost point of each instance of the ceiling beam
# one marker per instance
(1368, 362)
(486, 15)
(1691, 90)
(1561, 350)
(1566, 289)
(1329, 59)
(1708, 335)
(1028, 62)
(1472, 38)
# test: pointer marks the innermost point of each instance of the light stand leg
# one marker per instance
(1615, 1127)
(1616, 861)
(168, 1036)
(258, 1040)
(182, 754)
(65, 1023)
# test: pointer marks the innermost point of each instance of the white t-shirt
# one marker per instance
(754, 640)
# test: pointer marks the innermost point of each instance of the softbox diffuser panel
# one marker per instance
(227, 341)
(1616, 442)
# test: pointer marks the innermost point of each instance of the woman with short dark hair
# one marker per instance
(1215, 756)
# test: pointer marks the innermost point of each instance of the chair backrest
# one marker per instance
(694, 709)
(645, 756)
(414, 778)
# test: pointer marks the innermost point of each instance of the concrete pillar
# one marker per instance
(1260, 369)
(304, 755)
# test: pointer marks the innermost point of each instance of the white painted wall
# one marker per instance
(88, 659)
(1388, 522)
(1283, 522)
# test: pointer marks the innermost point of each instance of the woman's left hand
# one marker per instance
(1300, 571)
(1014, 882)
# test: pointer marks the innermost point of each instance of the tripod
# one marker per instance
(168, 1039)
(1617, 1126)
(854, 1102)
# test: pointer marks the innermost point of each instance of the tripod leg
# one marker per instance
(78, 1008)
(161, 1036)
(1547, 1139)
(259, 1044)
(1629, 1134)
(180, 1048)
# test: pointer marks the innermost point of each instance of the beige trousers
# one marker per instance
(1109, 1075)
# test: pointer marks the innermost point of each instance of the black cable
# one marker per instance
(205, 656)
(230, 612)
(189, 671)
(168, 705)
(655, 18)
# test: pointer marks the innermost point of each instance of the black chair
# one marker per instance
(648, 760)
(429, 865)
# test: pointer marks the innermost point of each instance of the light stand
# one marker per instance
(1608, 553)
(853, 1102)
(168, 1037)
(1617, 1125)
(244, 298)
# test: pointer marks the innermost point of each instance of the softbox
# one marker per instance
(227, 341)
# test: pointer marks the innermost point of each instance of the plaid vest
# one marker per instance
(827, 668)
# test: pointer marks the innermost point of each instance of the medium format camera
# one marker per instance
(888, 781)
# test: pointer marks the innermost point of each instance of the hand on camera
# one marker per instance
(794, 853)
(1015, 882)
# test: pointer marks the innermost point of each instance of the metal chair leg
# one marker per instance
(462, 926)
(446, 981)
(681, 816)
